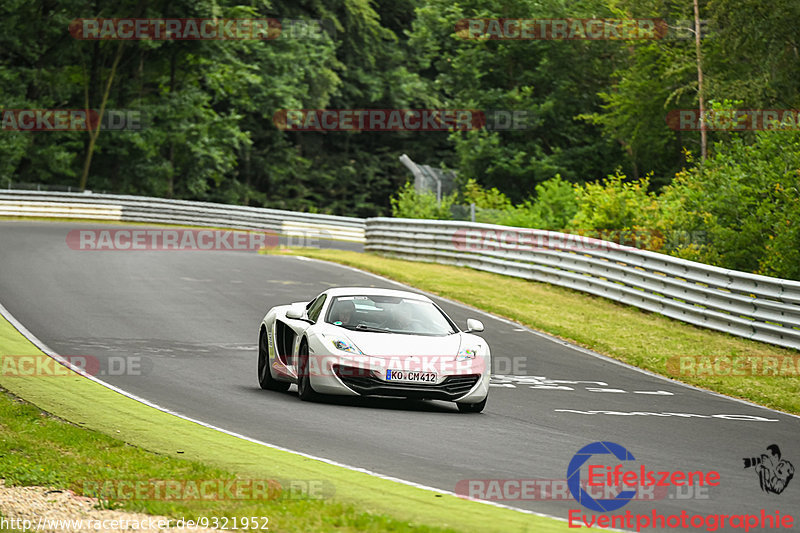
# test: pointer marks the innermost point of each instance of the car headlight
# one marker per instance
(467, 353)
(342, 344)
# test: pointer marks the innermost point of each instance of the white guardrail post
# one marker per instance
(752, 306)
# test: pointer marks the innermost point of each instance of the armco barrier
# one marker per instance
(183, 212)
(752, 306)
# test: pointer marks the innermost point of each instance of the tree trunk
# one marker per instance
(94, 133)
(703, 138)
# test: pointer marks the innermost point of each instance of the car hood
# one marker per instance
(392, 344)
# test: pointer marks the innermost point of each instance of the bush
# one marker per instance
(746, 199)
(408, 203)
(619, 210)
(491, 205)
(614, 204)
(739, 210)
(553, 207)
(473, 193)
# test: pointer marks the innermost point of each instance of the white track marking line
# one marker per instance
(44, 348)
(550, 337)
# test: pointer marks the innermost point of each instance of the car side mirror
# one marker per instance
(296, 312)
(474, 326)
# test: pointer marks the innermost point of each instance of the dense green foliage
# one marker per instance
(596, 152)
(409, 203)
(740, 209)
(745, 201)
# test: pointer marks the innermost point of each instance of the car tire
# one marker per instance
(304, 389)
(265, 379)
(472, 407)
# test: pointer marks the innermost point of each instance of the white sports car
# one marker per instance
(373, 342)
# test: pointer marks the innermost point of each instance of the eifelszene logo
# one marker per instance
(774, 473)
(574, 477)
(606, 464)
(617, 476)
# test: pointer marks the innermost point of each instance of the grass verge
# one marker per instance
(646, 340)
(112, 437)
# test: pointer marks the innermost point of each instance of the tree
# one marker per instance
(552, 81)
(745, 203)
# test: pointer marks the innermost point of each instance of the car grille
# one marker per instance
(366, 384)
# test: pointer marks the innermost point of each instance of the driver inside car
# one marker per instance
(403, 320)
(344, 313)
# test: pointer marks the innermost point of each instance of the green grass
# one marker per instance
(38, 449)
(111, 437)
(646, 340)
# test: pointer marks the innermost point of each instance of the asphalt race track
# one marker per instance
(192, 318)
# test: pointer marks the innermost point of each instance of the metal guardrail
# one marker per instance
(182, 212)
(752, 306)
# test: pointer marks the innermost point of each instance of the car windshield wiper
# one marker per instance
(363, 327)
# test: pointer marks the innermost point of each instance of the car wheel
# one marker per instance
(304, 389)
(265, 378)
(472, 407)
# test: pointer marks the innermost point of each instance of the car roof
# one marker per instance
(368, 291)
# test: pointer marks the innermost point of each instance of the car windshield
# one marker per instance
(389, 314)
